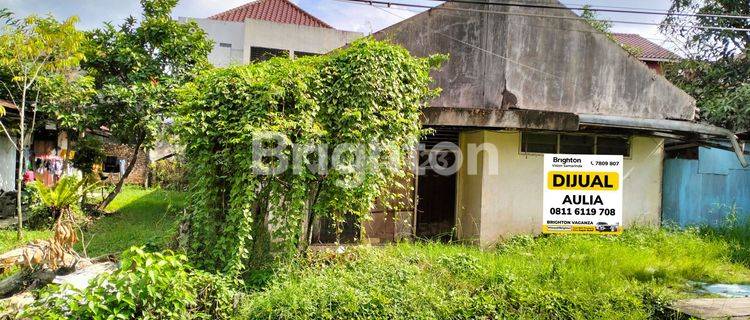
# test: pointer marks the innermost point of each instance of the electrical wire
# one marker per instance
(598, 9)
(409, 5)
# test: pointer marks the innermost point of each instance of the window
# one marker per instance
(299, 54)
(111, 165)
(613, 145)
(262, 54)
(539, 142)
(577, 144)
(534, 142)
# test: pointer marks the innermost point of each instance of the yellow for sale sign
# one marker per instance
(582, 194)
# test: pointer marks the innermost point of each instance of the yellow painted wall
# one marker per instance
(511, 200)
(469, 192)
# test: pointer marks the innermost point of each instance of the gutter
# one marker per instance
(662, 125)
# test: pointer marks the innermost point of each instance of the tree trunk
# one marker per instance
(118, 187)
(19, 178)
(307, 222)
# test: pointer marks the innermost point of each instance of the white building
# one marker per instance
(263, 29)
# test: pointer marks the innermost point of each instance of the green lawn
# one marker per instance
(139, 217)
(8, 238)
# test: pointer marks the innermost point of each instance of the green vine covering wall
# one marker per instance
(369, 93)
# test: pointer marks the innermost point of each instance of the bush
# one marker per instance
(146, 286)
(169, 174)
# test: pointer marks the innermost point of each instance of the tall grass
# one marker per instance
(632, 276)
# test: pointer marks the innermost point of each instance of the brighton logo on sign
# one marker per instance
(582, 194)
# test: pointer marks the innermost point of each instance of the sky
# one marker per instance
(339, 14)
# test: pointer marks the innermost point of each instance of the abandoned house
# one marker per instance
(530, 81)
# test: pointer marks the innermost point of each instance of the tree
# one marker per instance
(44, 51)
(604, 27)
(136, 68)
(716, 70)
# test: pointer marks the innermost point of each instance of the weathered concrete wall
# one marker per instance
(7, 165)
(505, 60)
(510, 202)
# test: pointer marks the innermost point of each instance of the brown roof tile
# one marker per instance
(281, 11)
(647, 49)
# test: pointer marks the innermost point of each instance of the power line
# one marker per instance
(389, 4)
(598, 9)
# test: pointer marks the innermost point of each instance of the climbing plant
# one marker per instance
(273, 146)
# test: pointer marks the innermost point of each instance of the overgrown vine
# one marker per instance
(368, 94)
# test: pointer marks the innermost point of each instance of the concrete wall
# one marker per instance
(469, 191)
(511, 200)
(509, 59)
(260, 33)
(232, 33)
(292, 37)
(7, 165)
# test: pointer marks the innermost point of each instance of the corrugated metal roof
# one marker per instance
(281, 11)
(647, 49)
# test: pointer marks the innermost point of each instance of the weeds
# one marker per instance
(557, 277)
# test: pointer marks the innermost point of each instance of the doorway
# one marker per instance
(436, 186)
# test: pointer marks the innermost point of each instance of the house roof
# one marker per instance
(281, 11)
(647, 49)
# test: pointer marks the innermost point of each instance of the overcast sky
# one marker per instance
(346, 16)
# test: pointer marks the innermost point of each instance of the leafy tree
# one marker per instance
(45, 51)
(717, 69)
(368, 94)
(136, 68)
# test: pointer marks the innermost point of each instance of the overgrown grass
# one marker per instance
(628, 277)
(139, 217)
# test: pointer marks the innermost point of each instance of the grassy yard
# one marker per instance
(140, 217)
(632, 276)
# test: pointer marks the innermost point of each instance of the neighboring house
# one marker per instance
(8, 152)
(526, 85)
(263, 29)
(653, 55)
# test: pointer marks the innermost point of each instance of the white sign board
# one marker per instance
(582, 194)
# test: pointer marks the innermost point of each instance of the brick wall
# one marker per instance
(121, 151)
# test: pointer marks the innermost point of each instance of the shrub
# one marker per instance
(169, 174)
(146, 286)
(47, 204)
